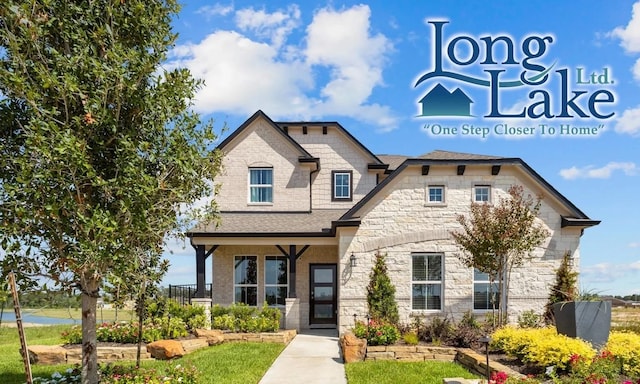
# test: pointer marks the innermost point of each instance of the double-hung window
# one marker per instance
(341, 185)
(276, 280)
(435, 194)
(245, 280)
(426, 281)
(482, 194)
(261, 185)
(485, 293)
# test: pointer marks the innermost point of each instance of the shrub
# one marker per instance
(377, 333)
(242, 318)
(467, 332)
(625, 346)
(410, 338)
(437, 330)
(173, 374)
(541, 347)
(602, 368)
(381, 293)
(529, 319)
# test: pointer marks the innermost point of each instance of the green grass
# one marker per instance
(393, 372)
(232, 363)
(76, 314)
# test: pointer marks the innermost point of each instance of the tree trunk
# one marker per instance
(89, 297)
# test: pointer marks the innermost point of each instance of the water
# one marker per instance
(10, 317)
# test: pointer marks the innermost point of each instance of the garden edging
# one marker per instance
(57, 354)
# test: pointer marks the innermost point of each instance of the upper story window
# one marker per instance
(426, 281)
(261, 185)
(435, 194)
(482, 194)
(341, 185)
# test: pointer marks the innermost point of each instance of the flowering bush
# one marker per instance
(602, 368)
(625, 346)
(127, 332)
(377, 333)
(116, 374)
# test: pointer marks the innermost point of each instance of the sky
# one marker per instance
(574, 118)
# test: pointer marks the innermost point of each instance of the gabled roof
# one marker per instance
(374, 158)
(578, 218)
(304, 155)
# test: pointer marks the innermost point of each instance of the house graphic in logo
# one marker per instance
(440, 102)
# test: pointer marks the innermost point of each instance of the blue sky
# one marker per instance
(357, 63)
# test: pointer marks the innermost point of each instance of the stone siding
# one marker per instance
(400, 222)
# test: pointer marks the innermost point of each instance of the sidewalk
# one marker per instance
(310, 358)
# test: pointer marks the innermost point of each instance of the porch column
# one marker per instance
(200, 274)
(292, 271)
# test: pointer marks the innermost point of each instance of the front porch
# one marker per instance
(300, 279)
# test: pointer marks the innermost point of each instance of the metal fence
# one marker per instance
(185, 292)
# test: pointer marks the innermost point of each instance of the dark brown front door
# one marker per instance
(323, 298)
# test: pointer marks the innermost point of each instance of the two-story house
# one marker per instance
(304, 207)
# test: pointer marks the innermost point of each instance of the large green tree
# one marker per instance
(496, 238)
(100, 153)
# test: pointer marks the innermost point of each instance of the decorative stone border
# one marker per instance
(410, 353)
(57, 354)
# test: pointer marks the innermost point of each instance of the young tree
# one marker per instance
(381, 293)
(100, 155)
(565, 287)
(496, 238)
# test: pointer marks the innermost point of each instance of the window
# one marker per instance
(276, 280)
(341, 182)
(484, 293)
(426, 281)
(245, 280)
(482, 194)
(261, 185)
(436, 194)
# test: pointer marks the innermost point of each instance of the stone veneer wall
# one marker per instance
(400, 222)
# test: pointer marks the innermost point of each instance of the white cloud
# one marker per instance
(274, 26)
(215, 10)
(589, 172)
(629, 122)
(634, 245)
(256, 67)
(608, 272)
(630, 35)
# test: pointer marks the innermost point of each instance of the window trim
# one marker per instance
(473, 292)
(286, 259)
(236, 285)
(427, 282)
(333, 185)
(481, 185)
(427, 196)
(264, 186)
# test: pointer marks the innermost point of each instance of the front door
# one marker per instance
(323, 300)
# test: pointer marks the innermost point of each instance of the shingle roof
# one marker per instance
(317, 221)
(393, 161)
(447, 155)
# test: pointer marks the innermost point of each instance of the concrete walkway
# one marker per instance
(312, 357)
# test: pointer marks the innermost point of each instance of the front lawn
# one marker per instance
(229, 363)
(393, 372)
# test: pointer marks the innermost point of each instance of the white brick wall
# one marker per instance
(400, 223)
(261, 146)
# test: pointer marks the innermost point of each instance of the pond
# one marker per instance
(10, 317)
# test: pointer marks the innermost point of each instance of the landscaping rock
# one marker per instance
(213, 336)
(165, 349)
(47, 354)
(191, 345)
(353, 348)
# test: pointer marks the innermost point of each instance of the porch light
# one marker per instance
(352, 259)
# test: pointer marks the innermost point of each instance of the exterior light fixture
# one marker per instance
(352, 260)
(486, 340)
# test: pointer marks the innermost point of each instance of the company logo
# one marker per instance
(509, 70)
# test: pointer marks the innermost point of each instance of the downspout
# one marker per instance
(310, 186)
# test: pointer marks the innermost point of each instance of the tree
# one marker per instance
(381, 294)
(496, 238)
(565, 287)
(100, 154)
